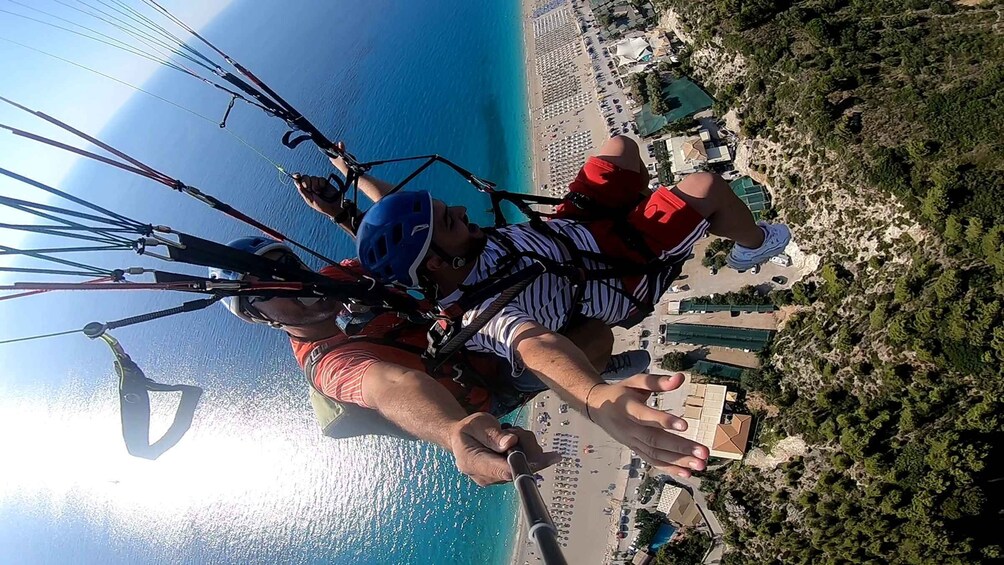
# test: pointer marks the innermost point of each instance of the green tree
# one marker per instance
(899, 329)
(993, 250)
(935, 204)
(953, 229)
(985, 319)
(878, 316)
(845, 338)
(833, 278)
(674, 361)
(636, 83)
(974, 232)
(903, 291)
(997, 342)
(956, 325)
(948, 284)
(926, 321)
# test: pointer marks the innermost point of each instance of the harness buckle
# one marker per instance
(353, 318)
(580, 201)
(439, 335)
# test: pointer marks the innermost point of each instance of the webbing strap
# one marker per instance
(617, 268)
(516, 285)
(134, 402)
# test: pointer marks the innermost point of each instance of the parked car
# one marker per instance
(780, 280)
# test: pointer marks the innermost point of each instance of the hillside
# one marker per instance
(877, 124)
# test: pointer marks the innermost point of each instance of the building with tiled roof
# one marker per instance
(732, 436)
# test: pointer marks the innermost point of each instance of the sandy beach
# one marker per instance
(586, 490)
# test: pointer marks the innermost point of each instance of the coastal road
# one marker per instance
(600, 73)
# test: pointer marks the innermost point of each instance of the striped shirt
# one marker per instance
(548, 300)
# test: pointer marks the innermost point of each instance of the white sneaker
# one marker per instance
(627, 364)
(776, 238)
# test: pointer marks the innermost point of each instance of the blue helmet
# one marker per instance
(395, 236)
(258, 245)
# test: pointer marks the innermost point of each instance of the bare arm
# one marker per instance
(619, 408)
(372, 187)
(557, 362)
(412, 400)
(424, 408)
(318, 193)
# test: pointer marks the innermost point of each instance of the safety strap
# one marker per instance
(443, 345)
(445, 339)
(576, 272)
(134, 403)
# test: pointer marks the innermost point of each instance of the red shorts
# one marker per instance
(610, 187)
(665, 223)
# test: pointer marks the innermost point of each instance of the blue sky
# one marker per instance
(84, 99)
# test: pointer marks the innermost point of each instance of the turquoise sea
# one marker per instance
(254, 482)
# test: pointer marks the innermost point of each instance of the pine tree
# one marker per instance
(935, 204)
(948, 284)
(974, 232)
(953, 229)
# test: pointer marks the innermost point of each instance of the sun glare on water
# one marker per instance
(256, 471)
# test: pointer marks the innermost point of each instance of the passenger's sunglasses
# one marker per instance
(287, 260)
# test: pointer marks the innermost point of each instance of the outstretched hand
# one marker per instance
(621, 409)
(479, 445)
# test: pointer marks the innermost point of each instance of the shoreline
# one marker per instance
(562, 136)
(516, 552)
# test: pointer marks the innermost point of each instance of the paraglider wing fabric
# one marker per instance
(134, 400)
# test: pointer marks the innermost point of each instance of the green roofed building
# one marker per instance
(683, 97)
(694, 306)
(753, 194)
(715, 369)
(719, 336)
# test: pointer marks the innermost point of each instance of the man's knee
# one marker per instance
(702, 185)
(703, 192)
(621, 151)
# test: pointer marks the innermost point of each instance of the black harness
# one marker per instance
(447, 334)
(575, 270)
